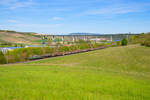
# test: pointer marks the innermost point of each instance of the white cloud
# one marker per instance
(13, 4)
(57, 18)
(19, 25)
(22, 4)
(31, 27)
(118, 9)
(7, 2)
(39, 25)
(12, 21)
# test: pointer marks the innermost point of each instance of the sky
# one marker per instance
(71, 16)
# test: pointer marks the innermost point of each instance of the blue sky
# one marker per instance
(67, 16)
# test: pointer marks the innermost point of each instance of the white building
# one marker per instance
(98, 39)
(5, 49)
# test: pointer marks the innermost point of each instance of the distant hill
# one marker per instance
(8, 36)
(92, 34)
(84, 34)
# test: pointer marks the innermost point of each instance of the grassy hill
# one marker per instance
(116, 73)
(18, 37)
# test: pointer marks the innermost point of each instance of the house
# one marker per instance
(98, 39)
(5, 49)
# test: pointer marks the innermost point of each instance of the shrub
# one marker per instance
(124, 42)
(83, 46)
(143, 43)
(146, 42)
(24, 54)
(63, 49)
(36, 50)
(73, 48)
(118, 43)
(48, 50)
(17, 55)
(2, 58)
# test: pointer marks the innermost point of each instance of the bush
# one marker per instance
(83, 46)
(118, 43)
(47, 50)
(146, 42)
(124, 42)
(2, 58)
(24, 54)
(36, 51)
(17, 55)
(63, 49)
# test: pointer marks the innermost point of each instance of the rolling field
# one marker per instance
(116, 73)
(17, 37)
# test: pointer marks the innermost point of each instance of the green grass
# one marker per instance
(117, 73)
(40, 41)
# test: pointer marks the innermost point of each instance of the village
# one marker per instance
(68, 40)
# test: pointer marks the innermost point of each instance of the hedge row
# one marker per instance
(25, 54)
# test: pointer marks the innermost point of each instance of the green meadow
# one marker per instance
(115, 73)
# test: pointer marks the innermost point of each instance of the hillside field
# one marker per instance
(115, 73)
(19, 37)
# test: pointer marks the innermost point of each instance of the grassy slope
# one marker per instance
(121, 73)
(16, 37)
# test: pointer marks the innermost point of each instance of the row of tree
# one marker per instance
(143, 39)
(25, 54)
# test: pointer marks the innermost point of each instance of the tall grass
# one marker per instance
(120, 73)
